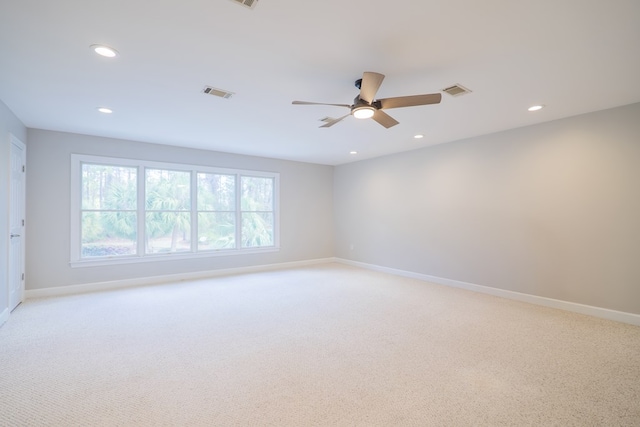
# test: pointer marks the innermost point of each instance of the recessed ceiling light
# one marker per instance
(105, 110)
(418, 136)
(103, 50)
(536, 107)
(353, 152)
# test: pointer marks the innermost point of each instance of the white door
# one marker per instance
(16, 223)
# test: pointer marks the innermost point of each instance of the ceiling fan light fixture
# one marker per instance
(363, 112)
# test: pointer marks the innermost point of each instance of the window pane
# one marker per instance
(216, 192)
(168, 190)
(108, 187)
(257, 230)
(216, 231)
(168, 232)
(257, 193)
(108, 234)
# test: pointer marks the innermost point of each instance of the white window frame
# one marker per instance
(76, 208)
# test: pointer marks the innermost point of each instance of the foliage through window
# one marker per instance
(216, 211)
(257, 212)
(127, 209)
(109, 214)
(167, 211)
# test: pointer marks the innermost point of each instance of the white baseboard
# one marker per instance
(4, 316)
(154, 280)
(604, 313)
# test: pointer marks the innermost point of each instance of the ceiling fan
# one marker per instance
(366, 106)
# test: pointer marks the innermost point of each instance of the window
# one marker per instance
(257, 211)
(216, 211)
(167, 211)
(132, 211)
(108, 214)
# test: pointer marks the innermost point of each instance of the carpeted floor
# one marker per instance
(329, 345)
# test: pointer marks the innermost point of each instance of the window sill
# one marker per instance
(96, 262)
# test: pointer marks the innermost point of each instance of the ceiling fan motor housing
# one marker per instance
(358, 102)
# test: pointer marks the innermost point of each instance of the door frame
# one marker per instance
(15, 141)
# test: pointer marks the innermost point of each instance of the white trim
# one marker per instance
(96, 262)
(604, 313)
(142, 281)
(276, 211)
(4, 316)
(619, 316)
(15, 141)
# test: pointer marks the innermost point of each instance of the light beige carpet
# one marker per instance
(322, 346)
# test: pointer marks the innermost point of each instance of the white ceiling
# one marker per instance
(575, 56)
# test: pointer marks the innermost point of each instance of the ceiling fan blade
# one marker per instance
(409, 101)
(370, 84)
(319, 103)
(384, 119)
(334, 121)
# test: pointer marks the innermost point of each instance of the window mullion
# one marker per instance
(275, 208)
(141, 211)
(194, 211)
(238, 212)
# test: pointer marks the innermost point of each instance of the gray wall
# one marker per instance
(551, 210)
(9, 123)
(306, 205)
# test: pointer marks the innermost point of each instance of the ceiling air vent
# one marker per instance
(456, 90)
(217, 92)
(251, 4)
